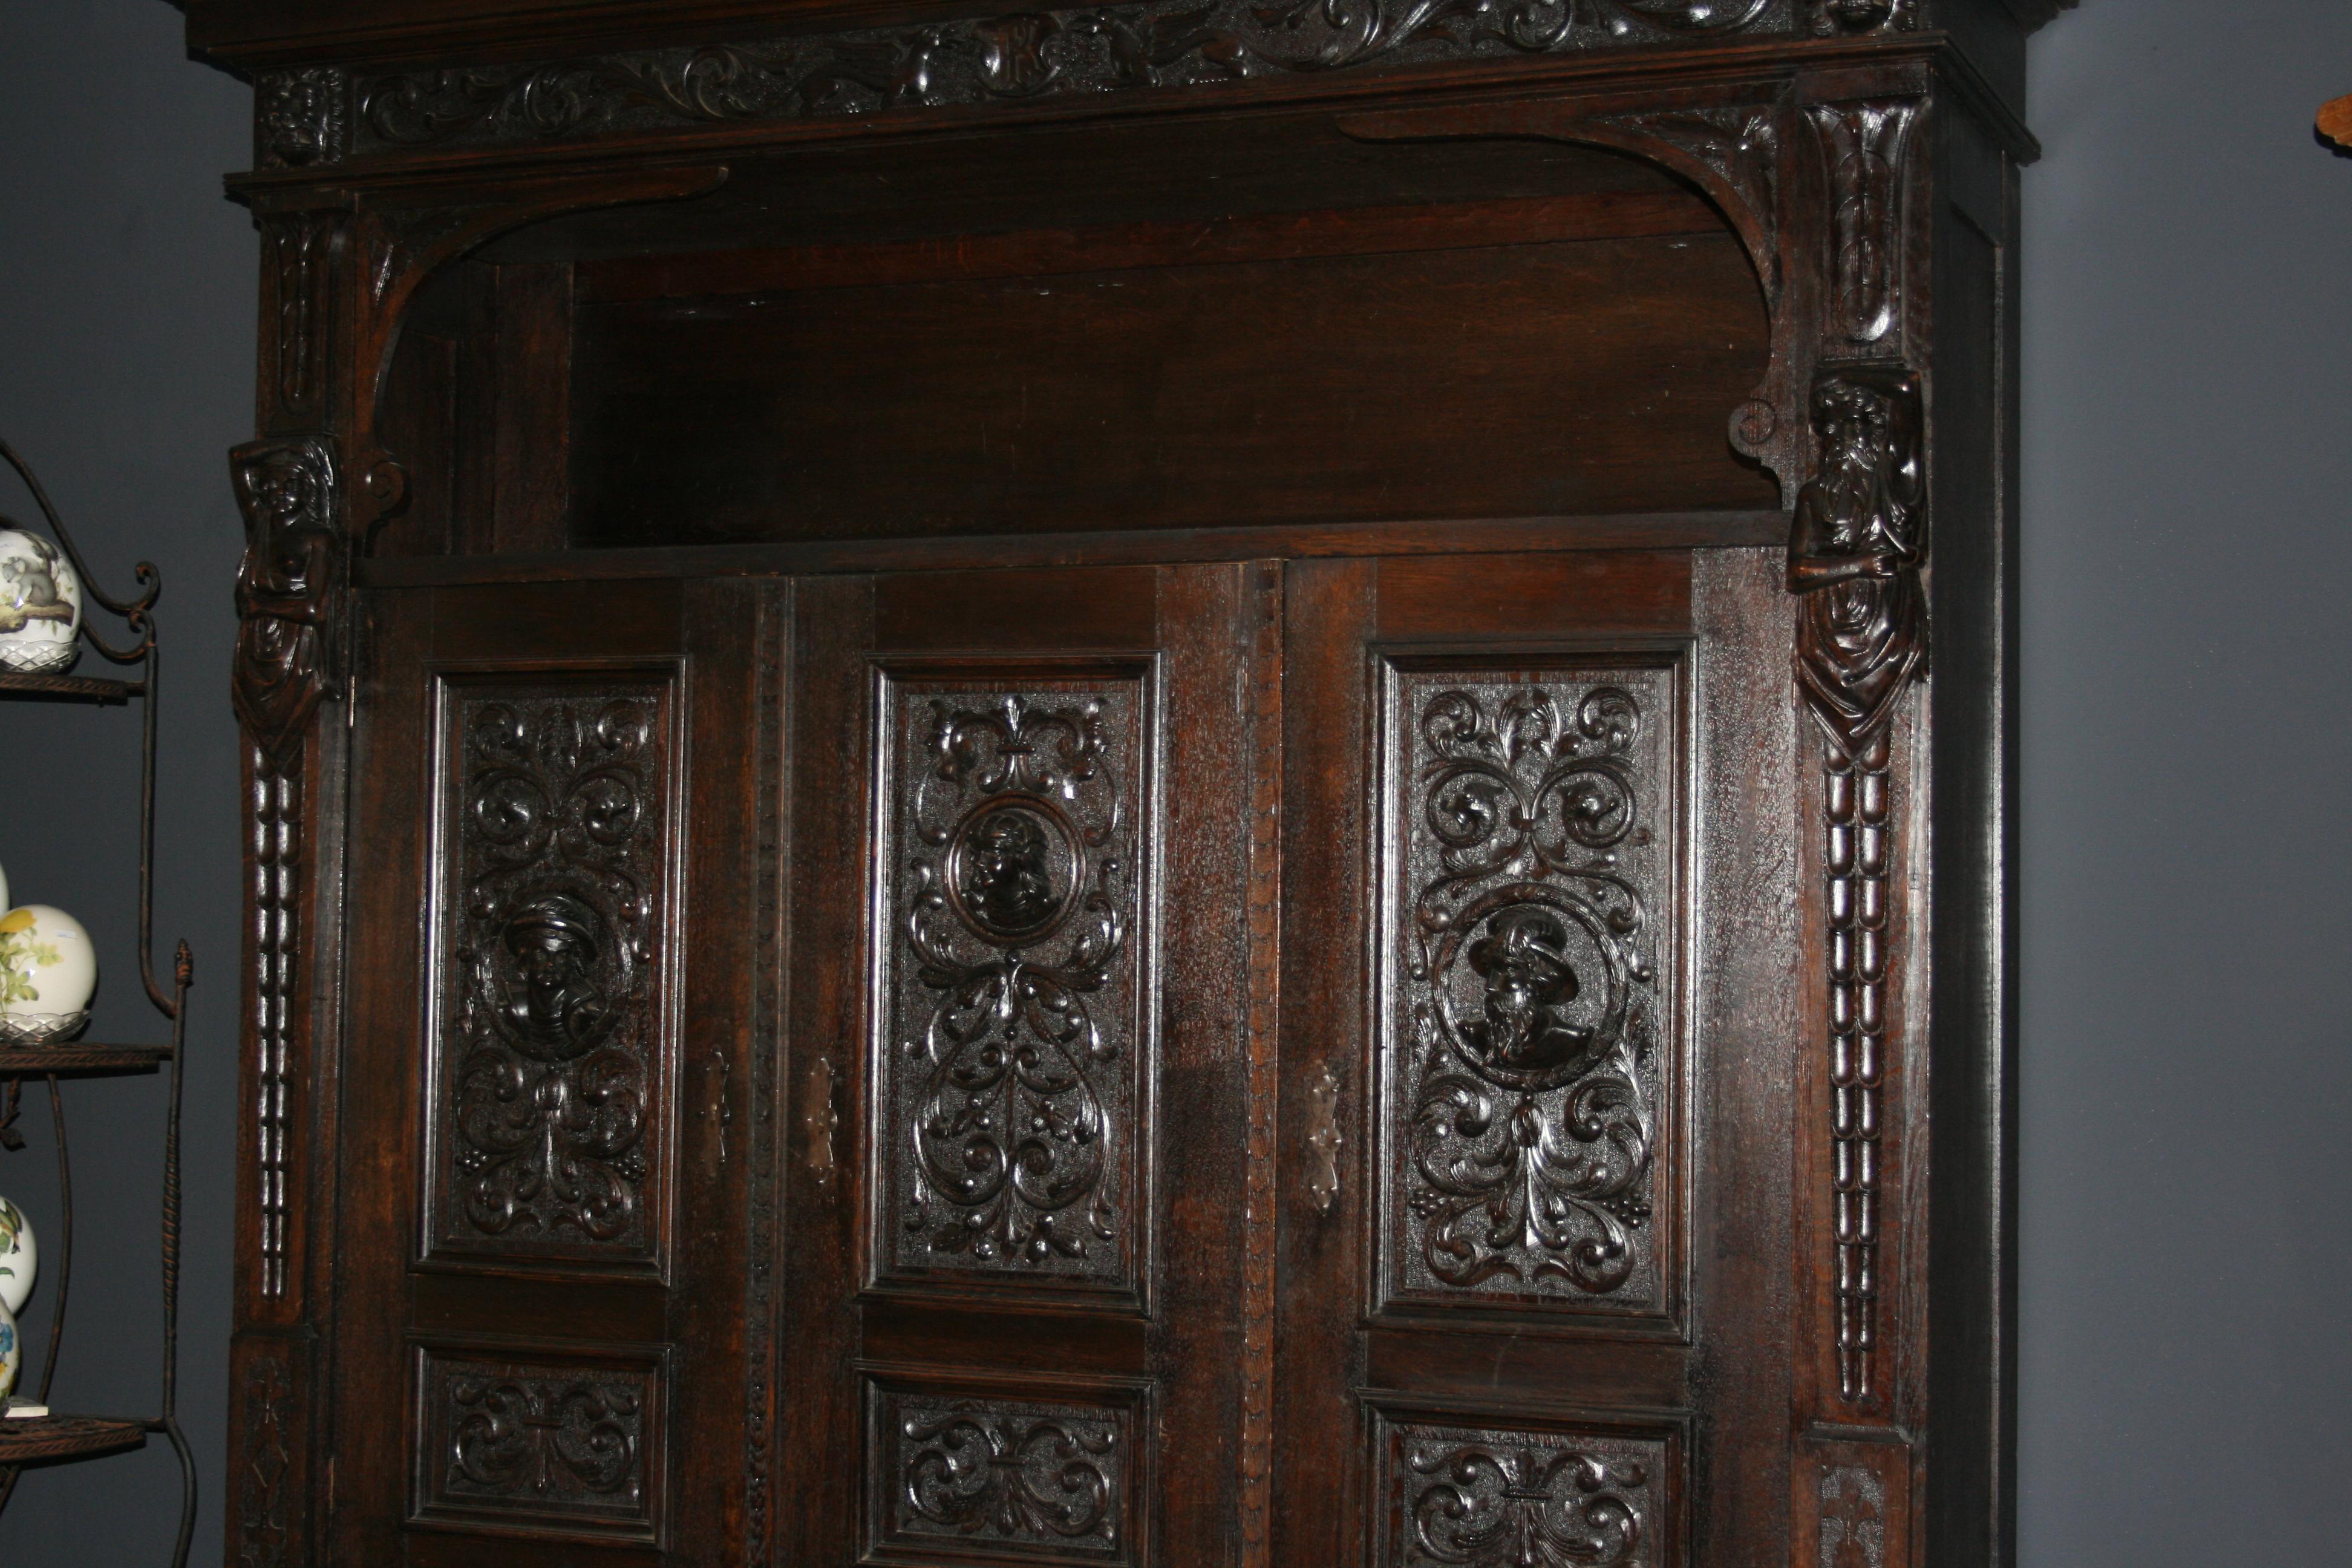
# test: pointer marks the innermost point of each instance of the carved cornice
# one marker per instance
(993, 60)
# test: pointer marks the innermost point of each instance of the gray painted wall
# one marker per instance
(2187, 1292)
(127, 290)
(2189, 473)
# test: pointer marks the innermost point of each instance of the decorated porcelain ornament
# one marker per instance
(12, 1355)
(40, 605)
(48, 968)
(20, 1259)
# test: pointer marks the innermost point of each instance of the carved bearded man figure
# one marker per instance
(1855, 553)
(1523, 958)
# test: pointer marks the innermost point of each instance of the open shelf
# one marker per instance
(40, 1061)
(68, 688)
(48, 1438)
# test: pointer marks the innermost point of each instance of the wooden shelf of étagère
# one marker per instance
(46, 1439)
(68, 688)
(45, 1061)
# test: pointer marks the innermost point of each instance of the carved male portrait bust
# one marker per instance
(1523, 958)
(1008, 876)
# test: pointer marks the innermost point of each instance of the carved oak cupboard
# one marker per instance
(1194, 783)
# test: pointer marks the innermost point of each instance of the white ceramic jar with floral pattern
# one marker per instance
(48, 973)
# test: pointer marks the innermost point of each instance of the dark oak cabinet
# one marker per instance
(1173, 785)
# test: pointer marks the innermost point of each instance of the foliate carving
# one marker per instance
(1740, 145)
(1855, 552)
(1854, 1517)
(288, 589)
(1471, 1496)
(263, 1539)
(1863, 148)
(1042, 1480)
(1532, 825)
(1857, 544)
(297, 117)
(1011, 984)
(1013, 58)
(561, 1448)
(556, 850)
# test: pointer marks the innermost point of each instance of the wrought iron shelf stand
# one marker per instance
(63, 1439)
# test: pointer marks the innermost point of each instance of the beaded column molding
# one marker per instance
(1854, 555)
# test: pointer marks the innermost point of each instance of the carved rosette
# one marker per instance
(1011, 984)
(556, 844)
(1465, 1496)
(1024, 56)
(1856, 549)
(1532, 830)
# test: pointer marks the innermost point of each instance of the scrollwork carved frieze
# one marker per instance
(1014, 58)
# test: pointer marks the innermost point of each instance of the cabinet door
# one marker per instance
(1014, 1259)
(1540, 1010)
(550, 996)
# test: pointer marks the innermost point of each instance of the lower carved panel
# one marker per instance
(1853, 1501)
(1474, 1494)
(959, 1472)
(570, 1447)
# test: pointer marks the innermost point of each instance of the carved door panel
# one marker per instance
(1540, 1014)
(1013, 1316)
(551, 1003)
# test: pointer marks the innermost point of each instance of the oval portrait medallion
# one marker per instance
(1012, 870)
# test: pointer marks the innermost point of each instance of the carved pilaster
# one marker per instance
(1855, 551)
(289, 596)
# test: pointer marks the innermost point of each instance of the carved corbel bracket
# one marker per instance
(410, 232)
(1733, 152)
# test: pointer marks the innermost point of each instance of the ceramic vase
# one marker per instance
(48, 973)
(40, 605)
(12, 1355)
(20, 1259)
